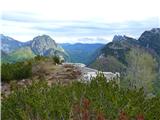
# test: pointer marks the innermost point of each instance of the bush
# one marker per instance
(39, 58)
(16, 71)
(94, 100)
(56, 59)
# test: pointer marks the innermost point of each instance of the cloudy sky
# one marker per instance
(72, 20)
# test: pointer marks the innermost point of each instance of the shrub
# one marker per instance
(38, 58)
(56, 59)
(16, 71)
(94, 100)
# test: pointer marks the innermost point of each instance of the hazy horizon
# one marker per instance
(70, 21)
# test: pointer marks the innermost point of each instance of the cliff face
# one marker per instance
(41, 45)
(113, 55)
(151, 40)
(119, 48)
(44, 45)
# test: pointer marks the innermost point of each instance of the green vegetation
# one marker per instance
(109, 63)
(82, 53)
(16, 71)
(40, 45)
(22, 70)
(22, 54)
(141, 70)
(81, 101)
(56, 59)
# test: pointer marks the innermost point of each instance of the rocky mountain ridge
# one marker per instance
(112, 56)
(41, 45)
(151, 40)
(9, 44)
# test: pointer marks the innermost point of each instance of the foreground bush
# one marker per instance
(15, 71)
(22, 70)
(80, 101)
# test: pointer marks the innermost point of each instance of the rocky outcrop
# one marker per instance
(118, 38)
(44, 45)
(88, 73)
(113, 55)
(41, 45)
(151, 40)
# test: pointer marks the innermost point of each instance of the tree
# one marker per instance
(141, 69)
(56, 59)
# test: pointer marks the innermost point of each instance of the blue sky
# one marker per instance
(72, 20)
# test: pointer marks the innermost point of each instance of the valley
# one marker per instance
(73, 81)
(80, 60)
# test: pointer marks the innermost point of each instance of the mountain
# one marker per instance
(41, 45)
(20, 54)
(81, 52)
(3, 54)
(151, 40)
(112, 56)
(118, 48)
(44, 45)
(9, 44)
(118, 38)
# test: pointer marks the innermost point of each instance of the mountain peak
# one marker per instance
(118, 38)
(156, 30)
(9, 44)
(43, 38)
(149, 33)
(43, 43)
(151, 39)
(6, 38)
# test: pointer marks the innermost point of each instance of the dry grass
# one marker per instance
(45, 70)
(62, 74)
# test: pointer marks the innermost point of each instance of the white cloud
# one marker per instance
(22, 18)
(108, 10)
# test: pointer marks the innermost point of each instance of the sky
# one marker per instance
(69, 21)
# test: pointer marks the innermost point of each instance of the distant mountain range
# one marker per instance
(9, 44)
(109, 57)
(82, 52)
(13, 50)
(112, 57)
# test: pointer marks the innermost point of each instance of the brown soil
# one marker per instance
(53, 74)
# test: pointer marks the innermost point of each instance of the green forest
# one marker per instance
(137, 97)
